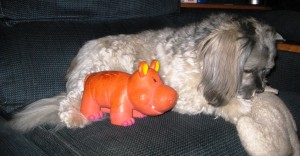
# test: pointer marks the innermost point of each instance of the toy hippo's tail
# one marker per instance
(44, 111)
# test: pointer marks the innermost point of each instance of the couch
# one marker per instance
(39, 38)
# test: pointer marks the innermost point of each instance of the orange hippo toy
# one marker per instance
(125, 96)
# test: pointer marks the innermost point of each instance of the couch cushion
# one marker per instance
(169, 134)
(13, 143)
(29, 10)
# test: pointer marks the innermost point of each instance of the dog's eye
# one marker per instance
(248, 71)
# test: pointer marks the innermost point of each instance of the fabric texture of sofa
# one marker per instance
(39, 38)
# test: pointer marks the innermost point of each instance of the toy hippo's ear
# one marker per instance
(143, 69)
(154, 65)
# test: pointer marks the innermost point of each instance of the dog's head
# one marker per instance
(237, 55)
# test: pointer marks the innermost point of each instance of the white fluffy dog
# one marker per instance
(208, 63)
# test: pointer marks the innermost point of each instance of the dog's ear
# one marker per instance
(223, 53)
(278, 37)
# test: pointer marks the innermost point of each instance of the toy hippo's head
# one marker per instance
(147, 92)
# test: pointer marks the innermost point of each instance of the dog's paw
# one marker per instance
(73, 119)
(271, 90)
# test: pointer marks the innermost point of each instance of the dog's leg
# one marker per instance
(257, 139)
(69, 111)
(234, 110)
(269, 129)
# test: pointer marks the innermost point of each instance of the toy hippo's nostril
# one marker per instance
(172, 99)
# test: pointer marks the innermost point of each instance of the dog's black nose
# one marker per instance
(260, 90)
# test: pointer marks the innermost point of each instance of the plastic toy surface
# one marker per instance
(125, 96)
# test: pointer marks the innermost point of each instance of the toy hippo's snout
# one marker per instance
(148, 94)
(155, 101)
(159, 100)
(164, 98)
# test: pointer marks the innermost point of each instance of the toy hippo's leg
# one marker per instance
(121, 115)
(138, 114)
(121, 118)
(89, 108)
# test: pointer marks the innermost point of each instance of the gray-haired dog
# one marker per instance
(207, 63)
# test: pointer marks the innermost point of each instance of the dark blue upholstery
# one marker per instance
(32, 10)
(39, 38)
(287, 23)
(285, 75)
(170, 134)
